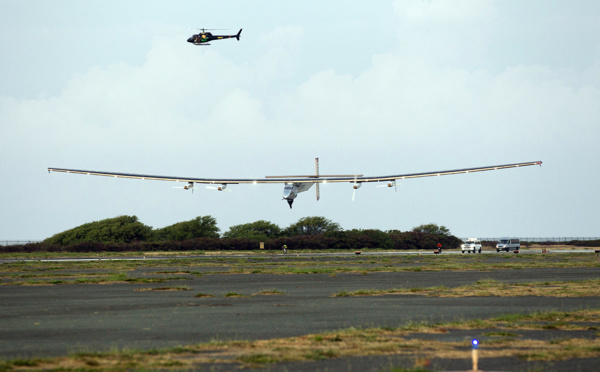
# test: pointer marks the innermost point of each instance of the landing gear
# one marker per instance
(290, 201)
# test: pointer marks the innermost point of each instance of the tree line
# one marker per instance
(127, 233)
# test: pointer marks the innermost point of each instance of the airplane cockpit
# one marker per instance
(290, 191)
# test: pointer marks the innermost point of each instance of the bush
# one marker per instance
(127, 234)
(199, 227)
(312, 226)
(586, 243)
(122, 229)
(259, 230)
(340, 240)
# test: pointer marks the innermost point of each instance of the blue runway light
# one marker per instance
(475, 343)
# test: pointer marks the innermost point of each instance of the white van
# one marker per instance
(508, 244)
(471, 245)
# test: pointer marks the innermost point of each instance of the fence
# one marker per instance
(17, 242)
(560, 239)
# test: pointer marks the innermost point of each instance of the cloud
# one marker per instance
(431, 101)
(282, 57)
(450, 12)
(191, 96)
(445, 32)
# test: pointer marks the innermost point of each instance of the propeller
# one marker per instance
(223, 187)
(390, 184)
(189, 186)
(355, 187)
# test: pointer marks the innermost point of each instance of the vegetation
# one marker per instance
(432, 228)
(259, 230)
(499, 336)
(127, 234)
(127, 229)
(179, 271)
(199, 227)
(312, 226)
(122, 229)
(491, 288)
(571, 243)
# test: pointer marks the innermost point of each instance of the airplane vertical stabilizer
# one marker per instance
(317, 173)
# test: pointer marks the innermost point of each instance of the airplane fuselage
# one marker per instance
(291, 190)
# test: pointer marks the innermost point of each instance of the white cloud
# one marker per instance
(445, 32)
(431, 101)
(451, 12)
(282, 57)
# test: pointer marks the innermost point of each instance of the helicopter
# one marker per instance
(204, 37)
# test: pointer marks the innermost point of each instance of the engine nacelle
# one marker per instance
(218, 188)
(357, 185)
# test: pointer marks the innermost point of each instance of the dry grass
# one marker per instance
(162, 289)
(269, 292)
(345, 343)
(495, 288)
(92, 272)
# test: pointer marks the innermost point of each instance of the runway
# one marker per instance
(39, 321)
(271, 254)
(56, 320)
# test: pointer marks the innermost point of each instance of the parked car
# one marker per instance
(471, 245)
(508, 244)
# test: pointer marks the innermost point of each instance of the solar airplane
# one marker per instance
(293, 185)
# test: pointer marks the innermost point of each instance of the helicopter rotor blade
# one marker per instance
(209, 29)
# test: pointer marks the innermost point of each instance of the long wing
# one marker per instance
(295, 179)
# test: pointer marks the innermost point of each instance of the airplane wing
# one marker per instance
(295, 179)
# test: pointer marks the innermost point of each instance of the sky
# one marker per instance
(373, 88)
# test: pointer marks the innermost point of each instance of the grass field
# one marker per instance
(181, 269)
(542, 336)
(504, 336)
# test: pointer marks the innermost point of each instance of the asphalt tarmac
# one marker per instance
(56, 320)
